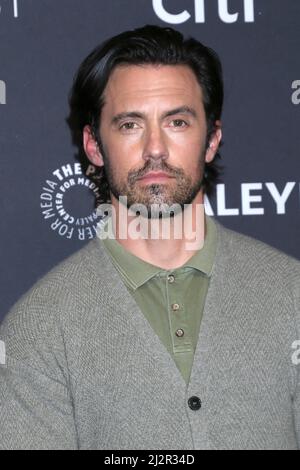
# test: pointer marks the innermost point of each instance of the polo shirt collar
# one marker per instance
(137, 272)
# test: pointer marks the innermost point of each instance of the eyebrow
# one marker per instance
(138, 115)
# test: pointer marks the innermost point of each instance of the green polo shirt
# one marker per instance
(171, 300)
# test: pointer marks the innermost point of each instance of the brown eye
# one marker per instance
(179, 123)
(127, 126)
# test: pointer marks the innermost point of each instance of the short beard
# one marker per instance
(157, 198)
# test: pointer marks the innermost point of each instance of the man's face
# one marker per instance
(153, 120)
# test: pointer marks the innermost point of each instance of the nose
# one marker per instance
(155, 145)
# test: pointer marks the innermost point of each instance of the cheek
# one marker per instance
(123, 156)
(190, 152)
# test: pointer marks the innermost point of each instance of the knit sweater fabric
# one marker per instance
(84, 369)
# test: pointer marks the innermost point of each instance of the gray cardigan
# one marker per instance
(84, 369)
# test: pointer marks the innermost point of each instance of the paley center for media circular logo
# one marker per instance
(68, 201)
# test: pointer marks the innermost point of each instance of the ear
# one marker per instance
(214, 143)
(91, 147)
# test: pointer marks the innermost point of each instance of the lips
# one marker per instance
(153, 175)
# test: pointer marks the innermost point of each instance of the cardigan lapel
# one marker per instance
(127, 306)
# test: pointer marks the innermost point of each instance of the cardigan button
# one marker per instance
(194, 403)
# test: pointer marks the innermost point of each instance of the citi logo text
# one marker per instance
(225, 12)
(14, 7)
(2, 92)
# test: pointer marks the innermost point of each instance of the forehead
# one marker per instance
(130, 84)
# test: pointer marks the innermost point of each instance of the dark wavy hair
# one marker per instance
(147, 45)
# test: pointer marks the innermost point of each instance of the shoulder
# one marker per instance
(54, 294)
(258, 266)
(245, 248)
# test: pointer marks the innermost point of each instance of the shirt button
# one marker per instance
(179, 333)
(175, 307)
(194, 403)
(171, 278)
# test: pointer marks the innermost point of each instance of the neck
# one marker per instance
(166, 242)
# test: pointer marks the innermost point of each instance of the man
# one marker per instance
(155, 342)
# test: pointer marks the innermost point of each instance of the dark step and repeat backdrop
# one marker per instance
(47, 198)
